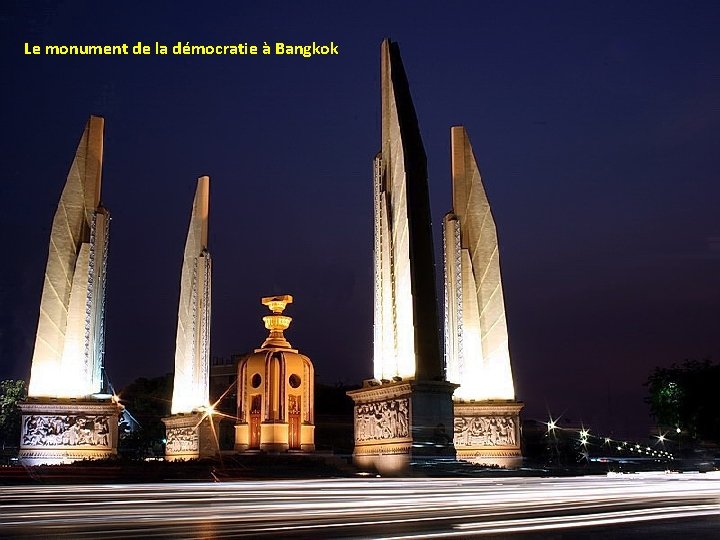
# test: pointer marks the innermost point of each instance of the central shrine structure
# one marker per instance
(275, 403)
(405, 413)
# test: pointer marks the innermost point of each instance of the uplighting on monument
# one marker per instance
(275, 401)
(405, 412)
(192, 342)
(191, 430)
(67, 415)
(487, 424)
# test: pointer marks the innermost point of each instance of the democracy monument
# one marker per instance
(487, 423)
(275, 403)
(406, 411)
(190, 432)
(68, 415)
(419, 406)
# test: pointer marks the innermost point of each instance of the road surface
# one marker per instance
(624, 506)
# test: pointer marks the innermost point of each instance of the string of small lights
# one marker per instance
(585, 439)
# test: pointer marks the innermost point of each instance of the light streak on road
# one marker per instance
(376, 507)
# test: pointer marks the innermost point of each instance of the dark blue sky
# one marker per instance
(596, 126)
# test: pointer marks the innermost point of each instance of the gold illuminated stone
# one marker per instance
(276, 322)
(277, 304)
(275, 391)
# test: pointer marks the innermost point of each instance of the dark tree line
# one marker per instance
(11, 393)
(149, 401)
(685, 396)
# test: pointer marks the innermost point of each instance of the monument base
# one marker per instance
(401, 423)
(274, 437)
(488, 432)
(63, 430)
(191, 436)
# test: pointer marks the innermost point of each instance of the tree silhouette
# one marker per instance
(685, 397)
(11, 393)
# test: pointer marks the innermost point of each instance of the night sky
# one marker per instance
(595, 124)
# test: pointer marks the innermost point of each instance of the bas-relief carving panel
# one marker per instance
(182, 440)
(294, 404)
(382, 420)
(56, 430)
(485, 431)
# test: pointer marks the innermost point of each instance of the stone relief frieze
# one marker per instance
(382, 420)
(57, 430)
(181, 440)
(485, 431)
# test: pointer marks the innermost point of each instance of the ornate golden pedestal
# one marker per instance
(275, 391)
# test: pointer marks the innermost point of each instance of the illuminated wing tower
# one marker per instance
(68, 355)
(189, 429)
(192, 344)
(67, 361)
(406, 410)
(476, 337)
(406, 316)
